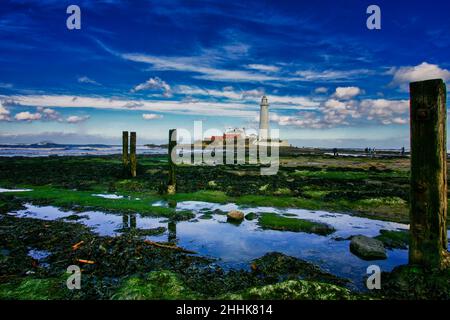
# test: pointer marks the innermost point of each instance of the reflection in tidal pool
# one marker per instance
(236, 245)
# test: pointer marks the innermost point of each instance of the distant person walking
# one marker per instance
(335, 152)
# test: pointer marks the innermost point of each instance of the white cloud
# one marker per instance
(154, 84)
(292, 102)
(49, 114)
(198, 65)
(263, 67)
(333, 113)
(227, 92)
(321, 90)
(303, 120)
(254, 93)
(254, 96)
(77, 119)
(3, 110)
(132, 105)
(4, 113)
(5, 85)
(42, 113)
(331, 75)
(425, 71)
(347, 92)
(27, 116)
(151, 116)
(314, 114)
(87, 80)
(231, 109)
(384, 109)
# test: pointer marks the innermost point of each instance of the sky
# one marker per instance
(149, 66)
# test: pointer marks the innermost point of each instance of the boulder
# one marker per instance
(235, 215)
(251, 216)
(367, 248)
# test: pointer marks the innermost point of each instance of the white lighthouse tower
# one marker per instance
(264, 119)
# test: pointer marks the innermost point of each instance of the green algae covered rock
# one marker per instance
(294, 290)
(416, 283)
(274, 221)
(33, 289)
(157, 285)
(394, 239)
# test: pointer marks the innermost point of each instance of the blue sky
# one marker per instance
(150, 66)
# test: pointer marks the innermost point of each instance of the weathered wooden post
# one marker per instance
(235, 149)
(172, 227)
(171, 186)
(224, 148)
(428, 205)
(133, 161)
(247, 151)
(125, 219)
(125, 149)
(133, 221)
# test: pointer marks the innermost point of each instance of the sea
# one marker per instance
(42, 150)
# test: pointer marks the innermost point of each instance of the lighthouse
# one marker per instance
(264, 119)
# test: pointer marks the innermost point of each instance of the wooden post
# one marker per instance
(125, 158)
(133, 161)
(428, 205)
(247, 151)
(171, 187)
(172, 227)
(224, 148)
(235, 150)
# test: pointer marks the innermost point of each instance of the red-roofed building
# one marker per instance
(228, 136)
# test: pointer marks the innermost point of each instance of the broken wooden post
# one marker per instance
(247, 151)
(428, 205)
(133, 161)
(125, 149)
(171, 187)
(224, 148)
(172, 227)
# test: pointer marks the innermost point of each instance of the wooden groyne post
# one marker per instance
(224, 148)
(171, 186)
(125, 158)
(428, 205)
(133, 160)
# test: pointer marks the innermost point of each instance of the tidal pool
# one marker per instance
(2, 190)
(108, 196)
(234, 246)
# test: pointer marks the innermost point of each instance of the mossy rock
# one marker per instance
(182, 215)
(416, 283)
(143, 232)
(172, 203)
(394, 239)
(157, 285)
(75, 217)
(282, 192)
(294, 290)
(251, 216)
(277, 267)
(33, 289)
(277, 222)
(367, 248)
